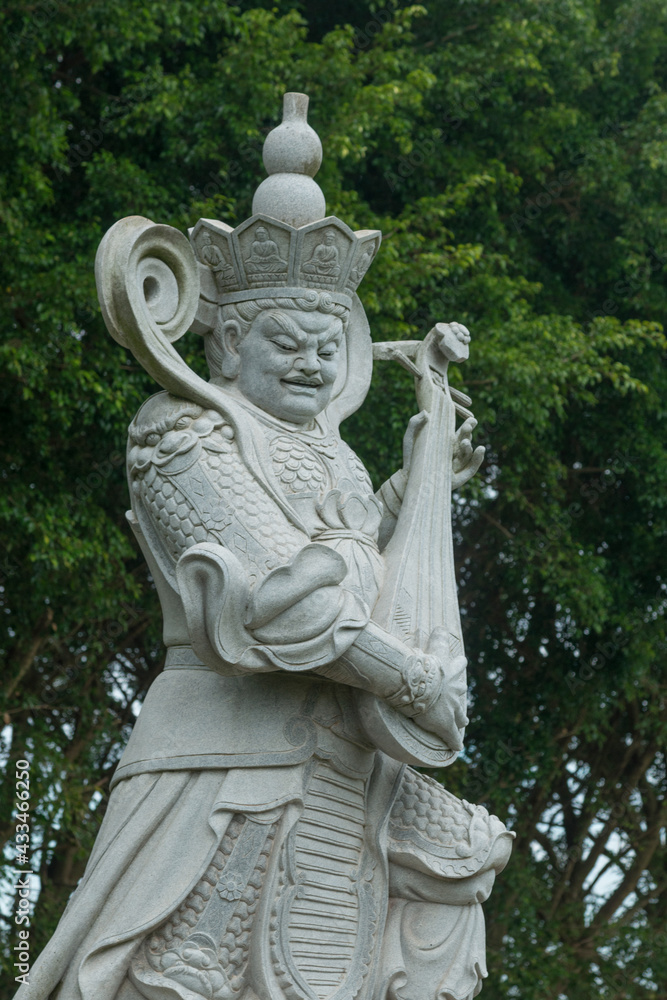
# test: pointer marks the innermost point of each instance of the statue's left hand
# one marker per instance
(465, 461)
(415, 425)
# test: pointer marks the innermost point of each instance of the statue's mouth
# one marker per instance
(309, 386)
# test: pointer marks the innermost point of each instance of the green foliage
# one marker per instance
(514, 155)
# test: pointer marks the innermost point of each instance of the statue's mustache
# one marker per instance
(312, 380)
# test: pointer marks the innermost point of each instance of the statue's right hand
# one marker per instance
(440, 679)
(465, 461)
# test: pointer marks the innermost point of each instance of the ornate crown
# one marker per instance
(287, 245)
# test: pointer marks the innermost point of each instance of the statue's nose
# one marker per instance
(308, 363)
(171, 441)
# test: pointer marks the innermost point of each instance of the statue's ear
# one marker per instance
(229, 335)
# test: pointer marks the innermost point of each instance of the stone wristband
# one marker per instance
(420, 686)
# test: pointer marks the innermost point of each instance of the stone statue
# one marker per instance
(265, 837)
(213, 257)
(264, 257)
(324, 261)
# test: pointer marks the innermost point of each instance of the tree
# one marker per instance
(513, 154)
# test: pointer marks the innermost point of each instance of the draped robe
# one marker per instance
(256, 844)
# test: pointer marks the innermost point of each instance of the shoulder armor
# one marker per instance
(188, 477)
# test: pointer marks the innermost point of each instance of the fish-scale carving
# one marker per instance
(297, 467)
(176, 952)
(162, 499)
(449, 834)
(423, 804)
(205, 489)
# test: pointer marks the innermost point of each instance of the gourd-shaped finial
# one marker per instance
(292, 156)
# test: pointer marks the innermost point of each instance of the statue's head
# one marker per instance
(284, 327)
(276, 324)
(281, 354)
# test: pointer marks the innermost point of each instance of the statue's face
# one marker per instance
(288, 362)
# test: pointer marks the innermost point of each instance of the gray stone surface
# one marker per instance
(292, 156)
(266, 838)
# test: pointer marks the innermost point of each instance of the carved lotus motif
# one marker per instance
(351, 512)
(231, 885)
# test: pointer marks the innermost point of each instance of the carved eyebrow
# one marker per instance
(327, 337)
(288, 327)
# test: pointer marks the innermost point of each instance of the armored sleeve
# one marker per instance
(220, 538)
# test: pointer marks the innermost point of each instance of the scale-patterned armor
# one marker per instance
(446, 836)
(187, 473)
(189, 478)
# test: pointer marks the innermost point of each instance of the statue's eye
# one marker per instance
(328, 351)
(182, 423)
(152, 439)
(285, 345)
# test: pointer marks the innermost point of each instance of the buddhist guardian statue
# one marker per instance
(266, 836)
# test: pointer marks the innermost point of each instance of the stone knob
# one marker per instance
(293, 147)
(292, 155)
